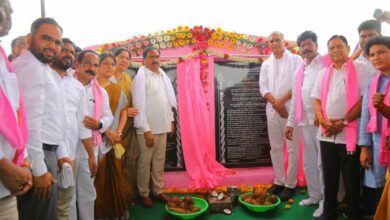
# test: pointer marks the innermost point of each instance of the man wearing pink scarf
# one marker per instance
(98, 118)
(302, 114)
(15, 175)
(337, 103)
(276, 75)
(374, 126)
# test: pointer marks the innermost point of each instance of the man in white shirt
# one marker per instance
(367, 30)
(333, 142)
(304, 116)
(17, 45)
(74, 105)
(15, 179)
(153, 95)
(45, 117)
(85, 163)
(275, 79)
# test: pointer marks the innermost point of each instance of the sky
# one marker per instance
(91, 22)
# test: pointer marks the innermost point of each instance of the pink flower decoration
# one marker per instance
(146, 43)
(138, 45)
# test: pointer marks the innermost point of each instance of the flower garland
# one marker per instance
(200, 39)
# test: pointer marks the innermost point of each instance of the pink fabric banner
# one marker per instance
(196, 113)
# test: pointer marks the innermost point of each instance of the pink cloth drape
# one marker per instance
(197, 124)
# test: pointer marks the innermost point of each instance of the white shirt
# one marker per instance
(42, 100)
(310, 74)
(281, 76)
(158, 110)
(106, 118)
(363, 60)
(75, 106)
(9, 85)
(336, 105)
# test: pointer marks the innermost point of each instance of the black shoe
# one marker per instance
(275, 189)
(286, 193)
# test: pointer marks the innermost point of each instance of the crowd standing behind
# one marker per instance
(83, 141)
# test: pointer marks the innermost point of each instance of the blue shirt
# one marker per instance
(375, 177)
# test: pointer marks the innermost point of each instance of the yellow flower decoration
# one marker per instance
(186, 28)
(220, 36)
(227, 39)
(169, 32)
(173, 38)
(230, 47)
(178, 35)
(232, 40)
(175, 44)
(193, 41)
(219, 30)
(182, 42)
(210, 42)
(180, 28)
(214, 36)
(189, 35)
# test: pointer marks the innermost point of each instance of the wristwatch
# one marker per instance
(100, 125)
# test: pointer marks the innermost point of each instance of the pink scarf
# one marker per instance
(97, 108)
(372, 126)
(13, 129)
(298, 85)
(352, 93)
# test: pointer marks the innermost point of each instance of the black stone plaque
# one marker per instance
(174, 160)
(241, 123)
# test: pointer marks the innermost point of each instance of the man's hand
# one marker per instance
(338, 125)
(277, 104)
(18, 180)
(328, 126)
(42, 186)
(288, 132)
(365, 158)
(91, 123)
(62, 161)
(283, 112)
(149, 139)
(26, 175)
(132, 112)
(377, 100)
(92, 165)
(316, 121)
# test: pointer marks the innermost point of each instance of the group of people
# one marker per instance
(72, 143)
(339, 106)
(80, 139)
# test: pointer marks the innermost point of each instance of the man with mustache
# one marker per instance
(98, 118)
(302, 114)
(15, 173)
(337, 103)
(153, 95)
(45, 117)
(276, 75)
(74, 103)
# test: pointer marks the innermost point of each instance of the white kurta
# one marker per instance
(276, 77)
(9, 85)
(44, 114)
(336, 105)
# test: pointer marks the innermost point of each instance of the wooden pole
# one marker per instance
(43, 13)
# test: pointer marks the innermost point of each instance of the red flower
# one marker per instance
(138, 45)
(146, 43)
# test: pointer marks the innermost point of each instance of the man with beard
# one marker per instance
(45, 117)
(74, 103)
(98, 119)
(15, 174)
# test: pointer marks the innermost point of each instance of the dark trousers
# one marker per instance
(370, 199)
(335, 158)
(29, 207)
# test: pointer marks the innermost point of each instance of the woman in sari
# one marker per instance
(111, 187)
(120, 77)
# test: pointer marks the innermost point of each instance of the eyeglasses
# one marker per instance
(50, 40)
